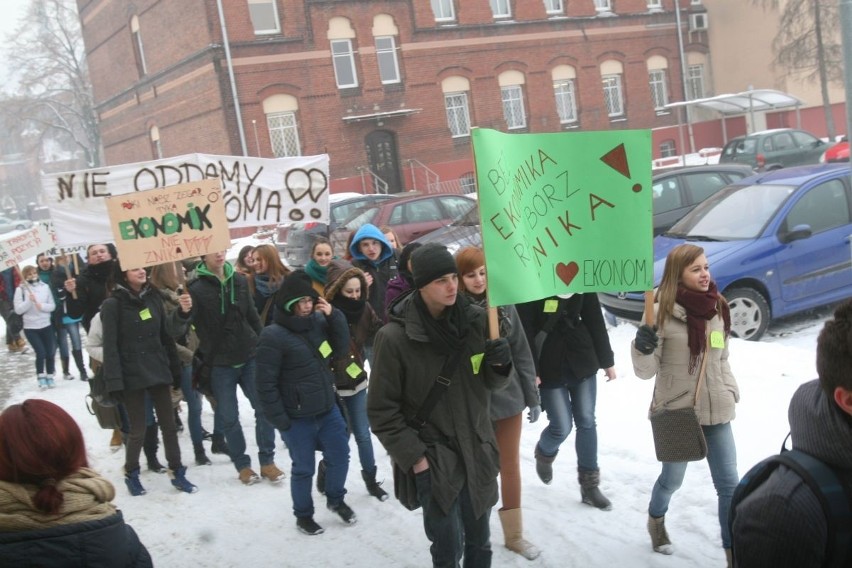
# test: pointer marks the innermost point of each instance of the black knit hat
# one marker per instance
(430, 262)
(295, 287)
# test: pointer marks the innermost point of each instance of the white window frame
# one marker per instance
(656, 4)
(276, 21)
(659, 92)
(513, 106)
(603, 5)
(458, 113)
(283, 134)
(387, 55)
(444, 10)
(565, 93)
(613, 95)
(344, 57)
(554, 7)
(695, 82)
(668, 148)
(501, 8)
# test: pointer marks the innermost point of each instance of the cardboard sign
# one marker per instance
(564, 212)
(255, 191)
(163, 225)
(19, 246)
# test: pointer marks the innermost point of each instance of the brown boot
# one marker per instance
(659, 536)
(513, 534)
(116, 441)
(729, 556)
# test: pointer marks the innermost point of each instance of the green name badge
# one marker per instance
(550, 306)
(476, 362)
(353, 370)
(717, 340)
(145, 314)
(325, 349)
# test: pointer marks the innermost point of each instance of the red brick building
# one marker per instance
(390, 87)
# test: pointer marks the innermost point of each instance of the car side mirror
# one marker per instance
(797, 233)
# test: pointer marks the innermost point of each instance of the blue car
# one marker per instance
(777, 243)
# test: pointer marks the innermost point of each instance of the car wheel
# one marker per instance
(20, 227)
(749, 313)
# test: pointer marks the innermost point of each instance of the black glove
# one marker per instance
(646, 339)
(116, 397)
(497, 352)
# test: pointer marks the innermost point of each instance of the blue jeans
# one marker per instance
(722, 458)
(224, 381)
(356, 407)
(193, 405)
(456, 533)
(73, 331)
(304, 437)
(61, 337)
(44, 346)
(572, 405)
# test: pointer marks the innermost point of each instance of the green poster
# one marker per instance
(564, 212)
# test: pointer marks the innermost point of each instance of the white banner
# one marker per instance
(256, 191)
(18, 247)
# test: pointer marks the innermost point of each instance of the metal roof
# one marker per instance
(754, 100)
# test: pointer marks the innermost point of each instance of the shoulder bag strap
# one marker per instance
(442, 383)
(701, 371)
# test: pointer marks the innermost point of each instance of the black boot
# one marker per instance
(321, 477)
(81, 365)
(200, 456)
(373, 486)
(149, 446)
(178, 421)
(544, 465)
(589, 491)
(219, 445)
(66, 374)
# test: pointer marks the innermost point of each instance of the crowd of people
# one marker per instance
(386, 341)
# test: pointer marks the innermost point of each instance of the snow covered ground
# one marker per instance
(226, 524)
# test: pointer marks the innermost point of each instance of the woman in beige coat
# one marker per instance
(693, 322)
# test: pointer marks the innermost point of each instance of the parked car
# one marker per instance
(778, 243)
(410, 215)
(676, 192)
(837, 153)
(773, 149)
(296, 239)
(8, 224)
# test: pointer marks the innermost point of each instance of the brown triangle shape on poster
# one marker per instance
(617, 160)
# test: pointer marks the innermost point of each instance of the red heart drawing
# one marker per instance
(567, 272)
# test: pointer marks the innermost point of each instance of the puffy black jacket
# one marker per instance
(91, 291)
(293, 376)
(105, 543)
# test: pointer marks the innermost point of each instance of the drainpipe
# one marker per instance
(686, 108)
(230, 65)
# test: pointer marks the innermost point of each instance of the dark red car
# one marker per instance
(837, 153)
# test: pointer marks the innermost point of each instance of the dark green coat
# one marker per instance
(461, 447)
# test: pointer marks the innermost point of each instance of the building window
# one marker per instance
(264, 16)
(283, 134)
(695, 82)
(344, 63)
(553, 7)
(156, 145)
(388, 64)
(603, 5)
(501, 8)
(458, 117)
(656, 4)
(566, 101)
(659, 96)
(138, 52)
(513, 106)
(668, 149)
(613, 97)
(468, 183)
(443, 10)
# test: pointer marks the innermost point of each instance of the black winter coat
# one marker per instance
(139, 349)
(294, 379)
(212, 301)
(105, 543)
(91, 292)
(577, 345)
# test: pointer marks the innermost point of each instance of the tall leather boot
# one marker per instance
(544, 465)
(513, 534)
(66, 374)
(81, 365)
(149, 446)
(589, 491)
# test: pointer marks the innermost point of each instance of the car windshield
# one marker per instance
(741, 146)
(360, 217)
(736, 212)
(469, 219)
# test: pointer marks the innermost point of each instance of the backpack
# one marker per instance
(831, 486)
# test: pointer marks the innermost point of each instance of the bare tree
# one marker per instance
(808, 41)
(53, 94)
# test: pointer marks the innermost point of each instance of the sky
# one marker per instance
(11, 12)
(227, 525)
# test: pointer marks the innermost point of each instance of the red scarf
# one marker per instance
(700, 308)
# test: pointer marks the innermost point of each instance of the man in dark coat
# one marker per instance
(781, 524)
(454, 454)
(90, 289)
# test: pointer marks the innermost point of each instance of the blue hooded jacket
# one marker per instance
(370, 231)
(382, 270)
